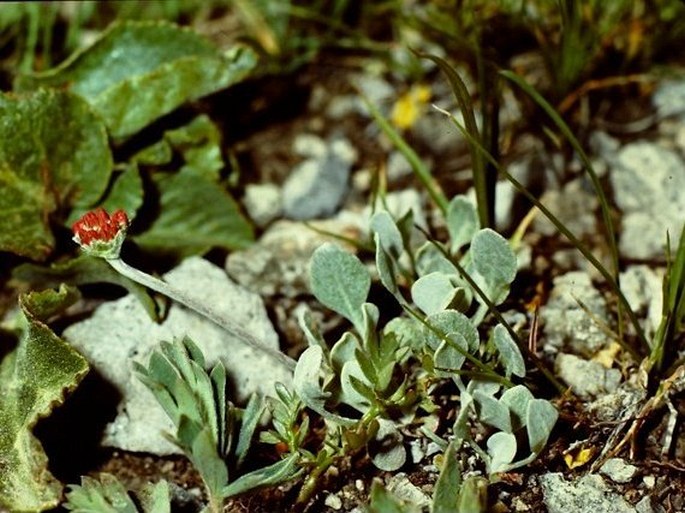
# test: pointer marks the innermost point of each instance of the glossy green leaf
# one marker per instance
(196, 214)
(35, 377)
(83, 270)
(136, 72)
(509, 352)
(341, 282)
(462, 222)
(54, 155)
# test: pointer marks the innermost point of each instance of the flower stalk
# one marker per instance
(102, 235)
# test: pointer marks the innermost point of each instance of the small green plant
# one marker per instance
(206, 423)
(107, 495)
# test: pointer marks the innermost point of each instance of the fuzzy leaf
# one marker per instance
(509, 352)
(540, 419)
(196, 214)
(494, 261)
(387, 450)
(451, 321)
(106, 495)
(306, 384)
(517, 399)
(341, 282)
(83, 270)
(251, 416)
(389, 236)
(436, 292)
(449, 483)
(35, 377)
(279, 472)
(54, 155)
(429, 259)
(502, 450)
(493, 412)
(447, 356)
(462, 222)
(136, 72)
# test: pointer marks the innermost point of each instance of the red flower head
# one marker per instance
(100, 234)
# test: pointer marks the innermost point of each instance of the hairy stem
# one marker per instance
(230, 326)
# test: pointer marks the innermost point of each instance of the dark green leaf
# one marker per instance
(136, 72)
(54, 156)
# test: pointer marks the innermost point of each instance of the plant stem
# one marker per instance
(230, 326)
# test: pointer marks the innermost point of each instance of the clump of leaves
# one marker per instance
(108, 495)
(206, 423)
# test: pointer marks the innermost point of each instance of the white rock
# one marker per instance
(333, 501)
(574, 206)
(586, 378)
(669, 98)
(566, 323)
(644, 505)
(589, 494)
(642, 287)
(121, 331)
(618, 470)
(263, 203)
(648, 181)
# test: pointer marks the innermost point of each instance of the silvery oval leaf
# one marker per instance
(430, 259)
(509, 352)
(462, 222)
(517, 399)
(502, 451)
(450, 321)
(350, 394)
(310, 329)
(387, 449)
(492, 412)
(540, 419)
(389, 236)
(433, 292)
(494, 260)
(343, 351)
(447, 356)
(340, 281)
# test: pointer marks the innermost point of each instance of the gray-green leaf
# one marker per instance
(341, 282)
(509, 352)
(540, 419)
(494, 260)
(462, 222)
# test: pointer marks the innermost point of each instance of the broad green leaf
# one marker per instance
(438, 291)
(136, 72)
(83, 270)
(449, 483)
(54, 156)
(35, 377)
(386, 449)
(540, 419)
(277, 473)
(494, 261)
(450, 321)
(196, 215)
(341, 282)
(126, 193)
(509, 352)
(502, 450)
(462, 222)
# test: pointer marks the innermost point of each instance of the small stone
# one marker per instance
(652, 203)
(310, 146)
(644, 505)
(574, 206)
(263, 203)
(586, 378)
(649, 481)
(519, 505)
(589, 494)
(397, 167)
(333, 501)
(642, 287)
(669, 98)
(416, 451)
(618, 470)
(359, 485)
(566, 324)
(317, 186)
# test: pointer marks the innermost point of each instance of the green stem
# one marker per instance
(228, 325)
